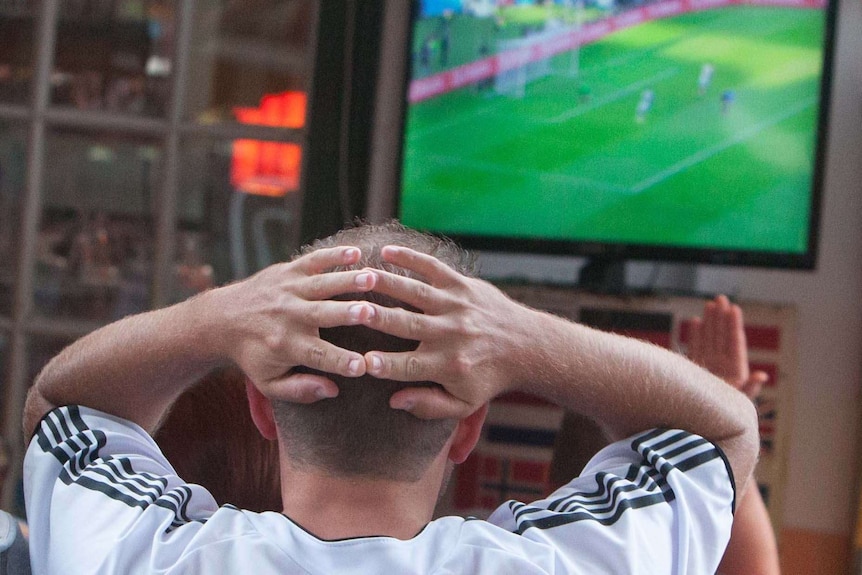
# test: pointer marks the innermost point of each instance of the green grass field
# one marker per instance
(550, 165)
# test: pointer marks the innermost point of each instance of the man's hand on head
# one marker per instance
(470, 336)
(275, 318)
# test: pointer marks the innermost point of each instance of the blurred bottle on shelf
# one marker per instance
(192, 274)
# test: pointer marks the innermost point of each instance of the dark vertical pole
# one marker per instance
(340, 115)
(321, 205)
(370, 16)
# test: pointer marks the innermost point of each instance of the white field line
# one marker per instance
(710, 152)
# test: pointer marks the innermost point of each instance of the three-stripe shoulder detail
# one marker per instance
(64, 434)
(674, 449)
(643, 485)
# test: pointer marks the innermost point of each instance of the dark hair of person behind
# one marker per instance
(211, 440)
(357, 434)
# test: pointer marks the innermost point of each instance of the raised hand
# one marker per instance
(273, 320)
(718, 344)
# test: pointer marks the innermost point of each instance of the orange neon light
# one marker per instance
(269, 168)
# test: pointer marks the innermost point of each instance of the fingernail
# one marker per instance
(320, 393)
(353, 366)
(364, 280)
(404, 405)
(376, 363)
(350, 254)
(355, 311)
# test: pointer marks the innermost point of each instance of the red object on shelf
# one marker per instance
(269, 168)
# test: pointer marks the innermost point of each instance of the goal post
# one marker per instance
(525, 60)
(512, 81)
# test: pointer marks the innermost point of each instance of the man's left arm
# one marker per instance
(135, 368)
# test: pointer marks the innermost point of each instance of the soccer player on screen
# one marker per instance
(425, 52)
(728, 97)
(704, 78)
(644, 106)
(445, 38)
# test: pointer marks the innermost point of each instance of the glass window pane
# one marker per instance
(96, 239)
(17, 33)
(13, 169)
(115, 56)
(233, 229)
(245, 56)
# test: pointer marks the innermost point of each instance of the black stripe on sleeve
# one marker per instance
(62, 422)
(697, 460)
(583, 515)
(76, 419)
(674, 438)
(638, 478)
(49, 434)
(697, 442)
(621, 496)
(133, 484)
(121, 469)
(649, 482)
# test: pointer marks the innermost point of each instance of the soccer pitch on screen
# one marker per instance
(569, 159)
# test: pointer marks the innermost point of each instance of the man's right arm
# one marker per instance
(477, 344)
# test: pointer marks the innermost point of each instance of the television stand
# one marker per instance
(603, 276)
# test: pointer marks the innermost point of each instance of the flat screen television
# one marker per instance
(684, 130)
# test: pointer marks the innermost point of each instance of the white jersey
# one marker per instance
(101, 498)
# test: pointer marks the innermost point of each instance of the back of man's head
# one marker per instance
(357, 434)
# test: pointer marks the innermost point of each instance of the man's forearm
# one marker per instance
(628, 386)
(134, 368)
(602, 374)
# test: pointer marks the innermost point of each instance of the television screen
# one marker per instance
(674, 129)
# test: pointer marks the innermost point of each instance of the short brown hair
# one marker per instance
(357, 433)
